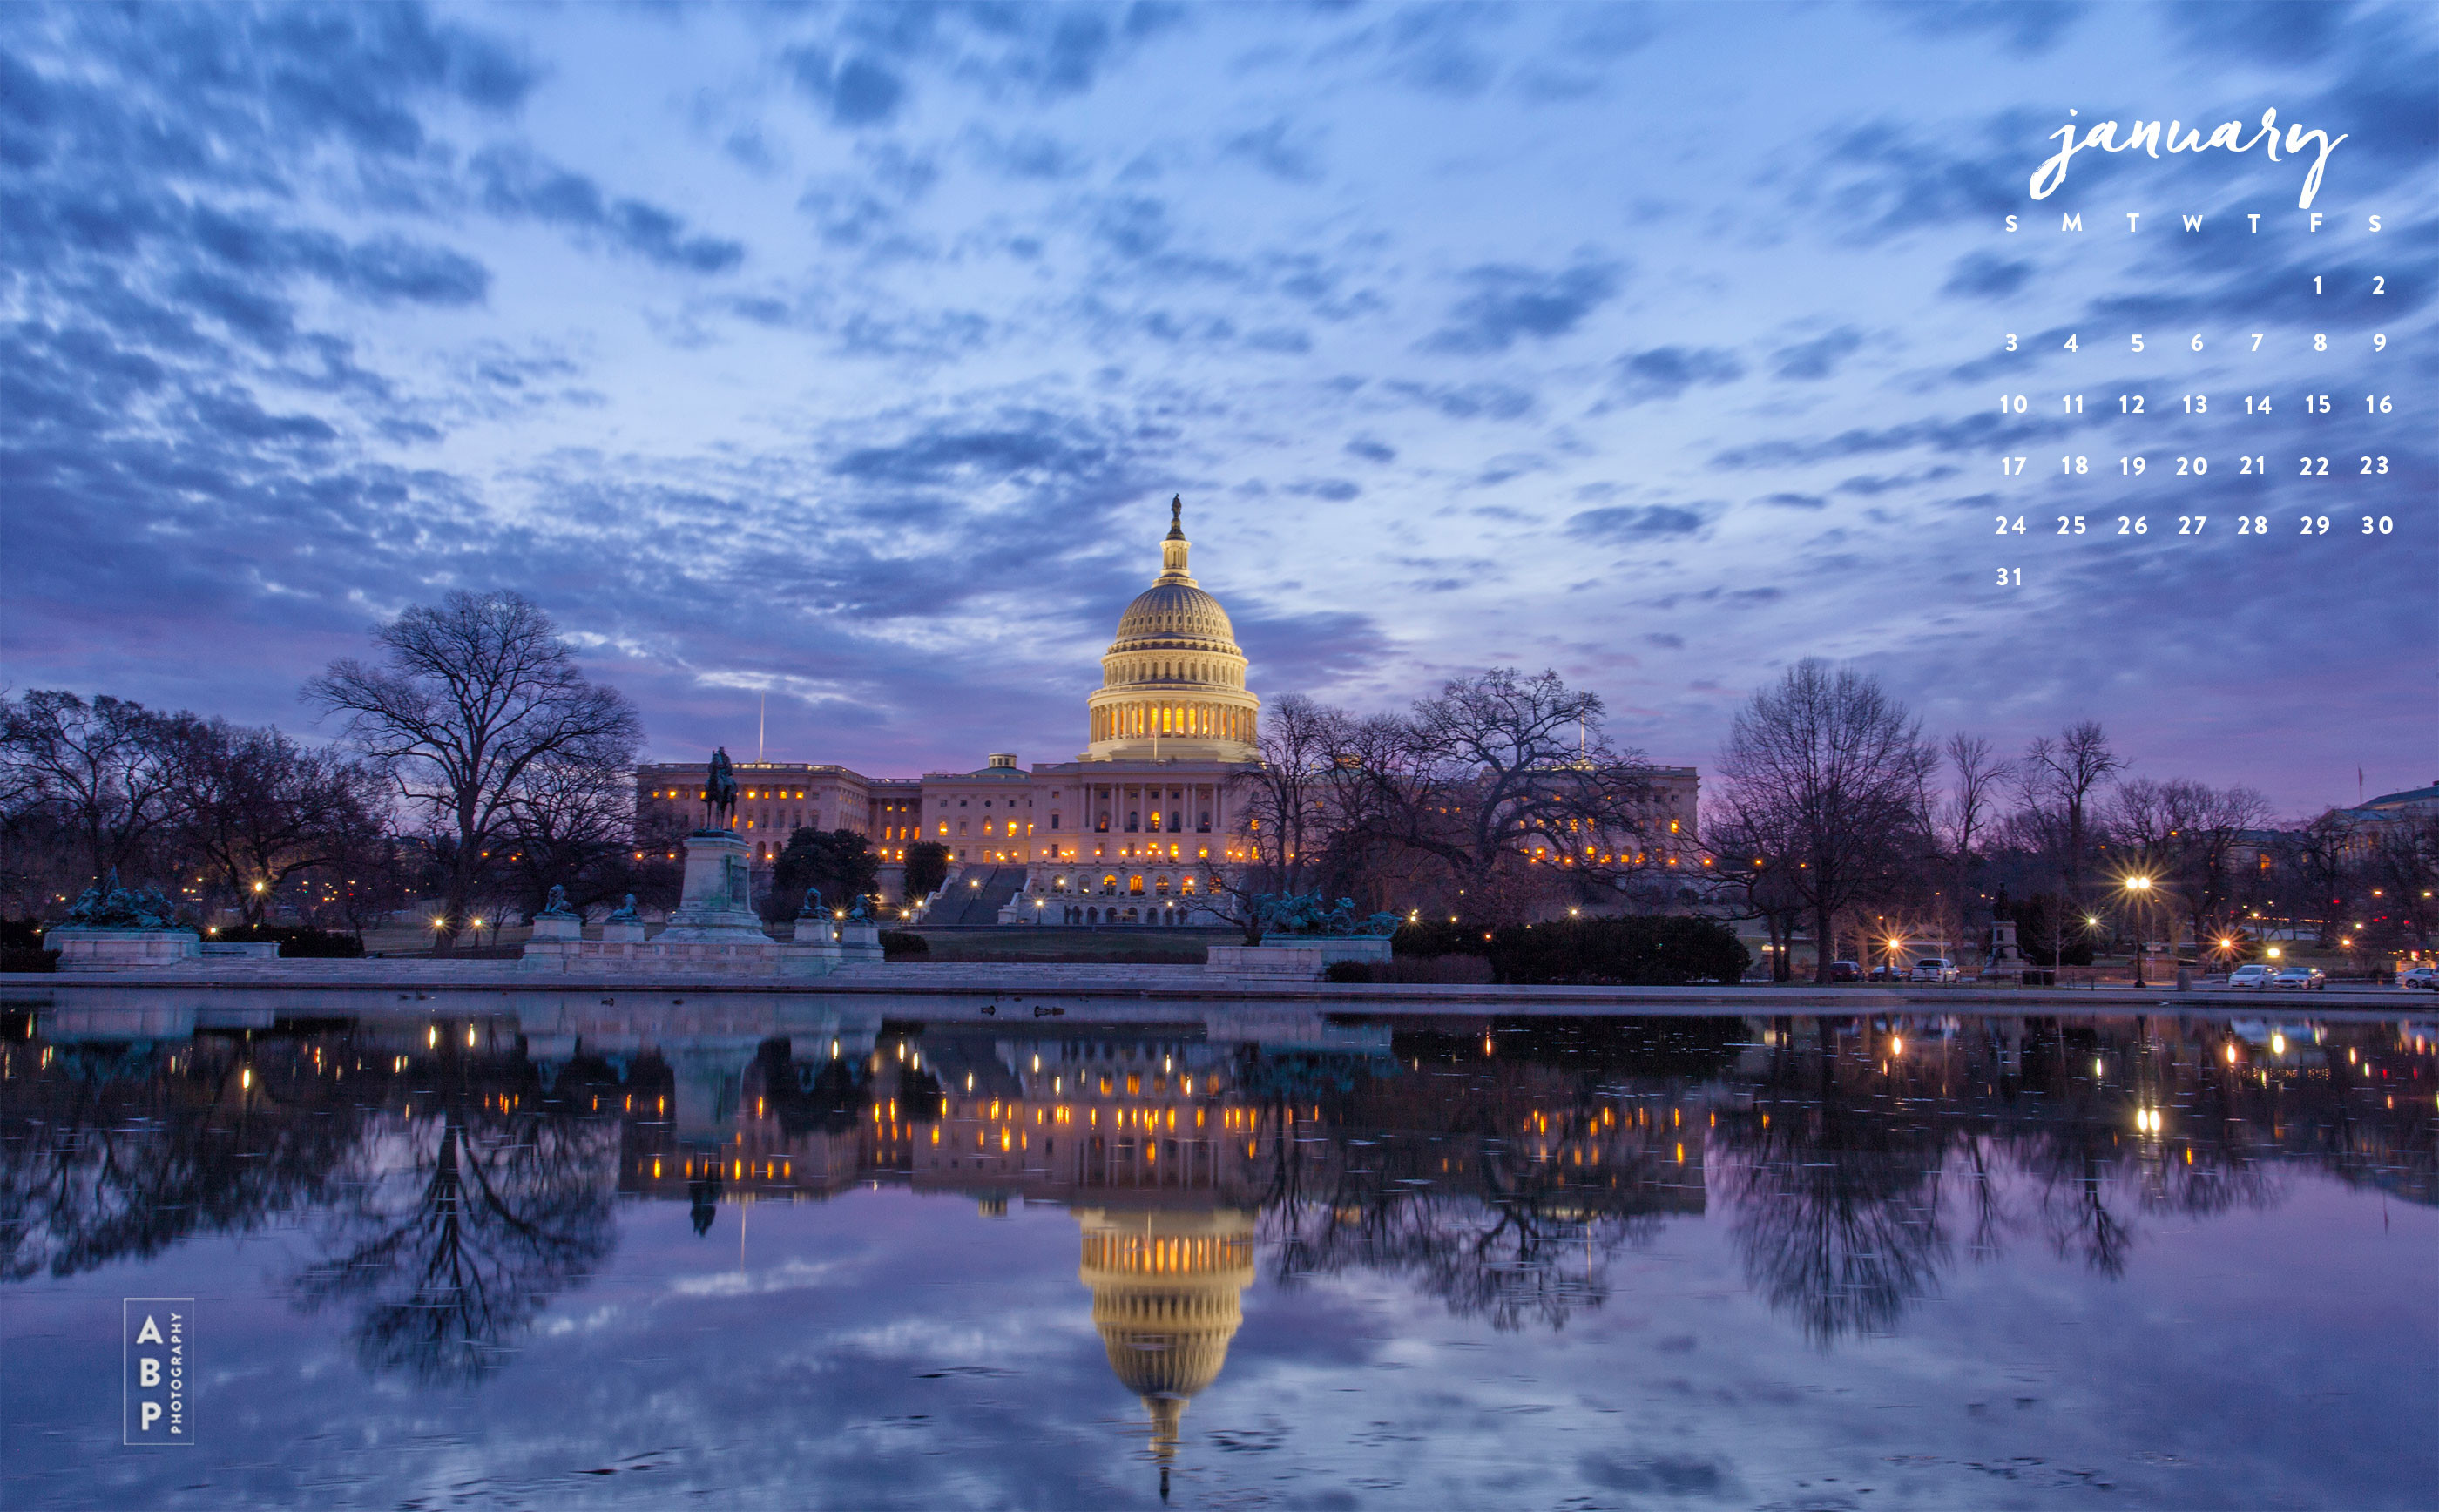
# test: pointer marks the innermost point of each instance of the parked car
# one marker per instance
(1888, 972)
(2252, 976)
(1934, 968)
(1845, 970)
(2299, 979)
(2421, 976)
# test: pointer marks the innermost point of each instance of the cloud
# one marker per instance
(515, 183)
(1984, 275)
(1795, 500)
(857, 91)
(1467, 402)
(1818, 358)
(1666, 372)
(1371, 451)
(937, 453)
(2023, 27)
(1510, 302)
(1627, 521)
(1024, 155)
(1337, 491)
(2281, 33)
(1279, 149)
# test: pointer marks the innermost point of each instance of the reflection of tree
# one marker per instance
(1367, 1185)
(1840, 1166)
(1837, 1212)
(462, 1236)
(113, 1152)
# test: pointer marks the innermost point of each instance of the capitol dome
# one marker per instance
(1173, 681)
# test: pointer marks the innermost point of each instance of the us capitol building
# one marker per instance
(1124, 834)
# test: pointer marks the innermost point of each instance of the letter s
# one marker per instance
(2375, 221)
(2011, 223)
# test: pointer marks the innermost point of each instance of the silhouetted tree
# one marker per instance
(839, 862)
(1833, 767)
(927, 867)
(107, 769)
(468, 698)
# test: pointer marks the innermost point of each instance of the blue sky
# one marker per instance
(851, 354)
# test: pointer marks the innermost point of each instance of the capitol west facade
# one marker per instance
(1126, 833)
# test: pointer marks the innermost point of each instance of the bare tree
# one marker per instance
(1290, 821)
(2316, 856)
(257, 808)
(1752, 846)
(1833, 764)
(470, 697)
(2057, 780)
(1965, 814)
(106, 769)
(573, 821)
(1500, 767)
(2181, 834)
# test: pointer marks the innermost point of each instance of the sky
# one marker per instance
(848, 357)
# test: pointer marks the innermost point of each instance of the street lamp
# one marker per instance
(2138, 892)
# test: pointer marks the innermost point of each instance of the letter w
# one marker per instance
(2193, 223)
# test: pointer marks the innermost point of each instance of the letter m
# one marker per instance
(2072, 220)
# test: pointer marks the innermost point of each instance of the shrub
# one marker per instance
(1438, 938)
(28, 958)
(898, 944)
(21, 933)
(1634, 952)
(1348, 972)
(295, 941)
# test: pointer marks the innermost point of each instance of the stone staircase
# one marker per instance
(964, 906)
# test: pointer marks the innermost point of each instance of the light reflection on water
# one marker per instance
(1795, 1262)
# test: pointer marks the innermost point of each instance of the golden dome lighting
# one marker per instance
(1173, 680)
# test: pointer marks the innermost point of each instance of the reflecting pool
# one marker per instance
(1245, 1261)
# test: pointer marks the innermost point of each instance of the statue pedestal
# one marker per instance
(859, 940)
(715, 907)
(1300, 956)
(558, 927)
(122, 950)
(622, 932)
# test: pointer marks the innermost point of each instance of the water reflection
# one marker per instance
(456, 1177)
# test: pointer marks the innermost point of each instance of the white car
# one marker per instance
(2252, 976)
(2300, 979)
(2421, 976)
(1934, 969)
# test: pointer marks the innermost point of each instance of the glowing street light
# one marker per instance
(2138, 891)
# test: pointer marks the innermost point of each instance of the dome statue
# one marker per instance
(1165, 1291)
(1173, 681)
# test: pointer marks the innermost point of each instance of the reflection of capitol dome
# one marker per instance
(1166, 1288)
(1173, 678)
